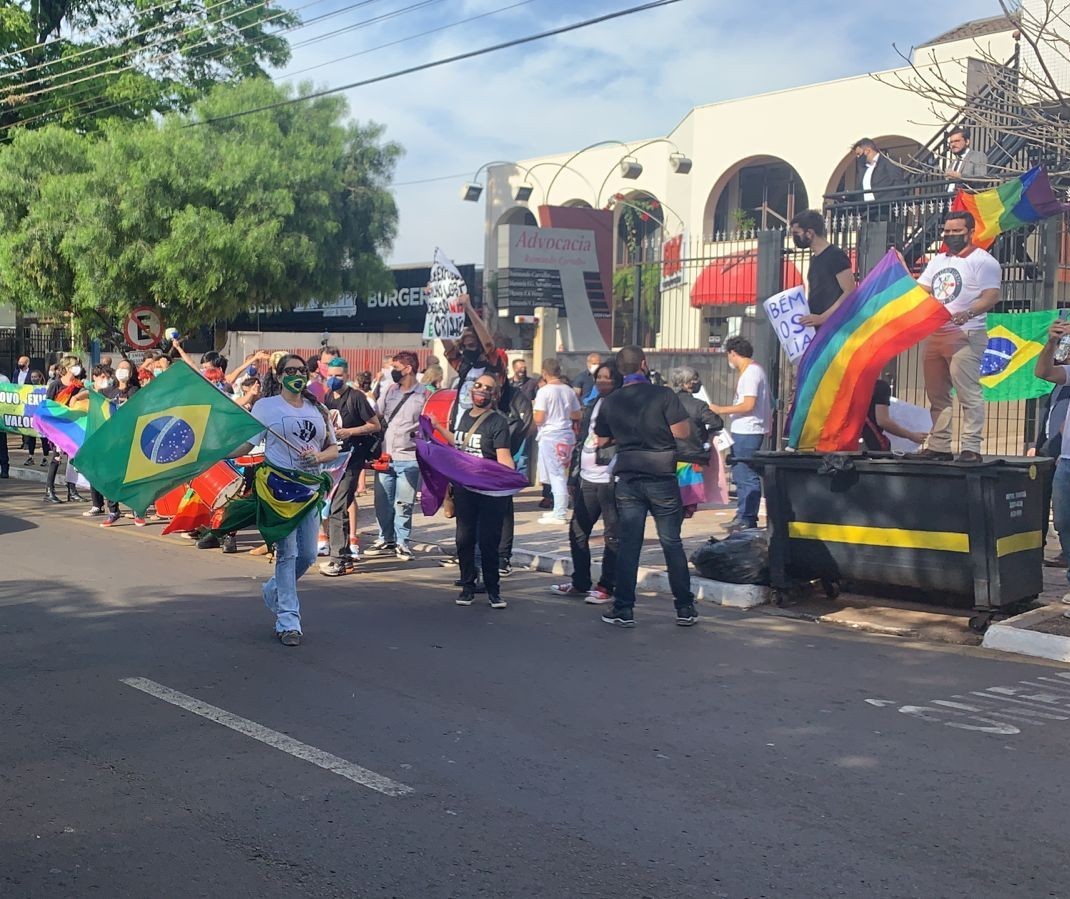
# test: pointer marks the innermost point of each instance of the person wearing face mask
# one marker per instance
(298, 438)
(29, 441)
(556, 410)
(21, 375)
(358, 423)
(829, 278)
(752, 414)
(881, 179)
(594, 498)
(584, 383)
(693, 451)
(395, 488)
(482, 431)
(64, 390)
(967, 280)
(471, 356)
(127, 382)
(105, 382)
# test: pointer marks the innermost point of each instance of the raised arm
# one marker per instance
(1046, 367)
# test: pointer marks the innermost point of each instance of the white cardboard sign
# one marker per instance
(784, 311)
(445, 315)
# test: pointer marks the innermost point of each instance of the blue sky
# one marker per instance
(631, 78)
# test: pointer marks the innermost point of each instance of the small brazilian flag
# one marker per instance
(1015, 339)
(279, 500)
(172, 429)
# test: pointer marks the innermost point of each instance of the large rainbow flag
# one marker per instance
(1028, 198)
(886, 314)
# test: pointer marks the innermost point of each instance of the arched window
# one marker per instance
(756, 193)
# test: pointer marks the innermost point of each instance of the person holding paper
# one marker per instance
(879, 422)
(829, 278)
(472, 355)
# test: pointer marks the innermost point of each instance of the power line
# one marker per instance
(516, 42)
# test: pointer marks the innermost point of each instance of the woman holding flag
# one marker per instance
(298, 440)
(64, 390)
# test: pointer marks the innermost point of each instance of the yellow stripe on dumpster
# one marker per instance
(945, 541)
(1017, 543)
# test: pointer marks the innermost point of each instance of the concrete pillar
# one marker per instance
(545, 343)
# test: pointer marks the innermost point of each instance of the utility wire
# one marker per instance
(516, 42)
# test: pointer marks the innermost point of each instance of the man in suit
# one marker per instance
(1051, 413)
(966, 167)
(21, 374)
(878, 175)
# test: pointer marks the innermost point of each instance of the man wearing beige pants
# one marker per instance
(966, 279)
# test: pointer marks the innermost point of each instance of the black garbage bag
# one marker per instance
(742, 558)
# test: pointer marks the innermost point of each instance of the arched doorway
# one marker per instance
(518, 215)
(846, 176)
(756, 193)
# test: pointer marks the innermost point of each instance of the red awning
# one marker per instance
(734, 280)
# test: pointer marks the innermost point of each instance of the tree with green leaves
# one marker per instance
(206, 219)
(82, 62)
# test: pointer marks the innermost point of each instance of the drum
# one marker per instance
(253, 459)
(218, 484)
(167, 505)
(440, 404)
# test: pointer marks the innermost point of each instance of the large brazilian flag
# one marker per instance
(172, 429)
(1015, 339)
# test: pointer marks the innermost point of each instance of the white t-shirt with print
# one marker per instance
(956, 281)
(558, 402)
(302, 427)
(590, 470)
(752, 383)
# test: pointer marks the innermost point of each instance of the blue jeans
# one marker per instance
(395, 493)
(748, 484)
(294, 553)
(1060, 503)
(661, 498)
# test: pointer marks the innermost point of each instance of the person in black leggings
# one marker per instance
(63, 390)
(481, 431)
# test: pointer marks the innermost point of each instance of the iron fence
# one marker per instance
(42, 345)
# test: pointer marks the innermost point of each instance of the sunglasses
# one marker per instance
(481, 388)
(293, 370)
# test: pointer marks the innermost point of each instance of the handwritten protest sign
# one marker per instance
(784, 311)
(17, 403)
(445, 315)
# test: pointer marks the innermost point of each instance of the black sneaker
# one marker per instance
(208, 541)
(230, 544)
(449, 562)
(404, 552)
(381, 548)
(505, 569)
(619, 617)
(496, 602)
(465, 598)
(334, 568)
(686, 615)
(290, 638)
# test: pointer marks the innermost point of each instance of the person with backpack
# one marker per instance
(359, 423)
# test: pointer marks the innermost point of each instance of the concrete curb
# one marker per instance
(732, 596)
(1014, 635)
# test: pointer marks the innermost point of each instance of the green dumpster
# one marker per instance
(957, 533)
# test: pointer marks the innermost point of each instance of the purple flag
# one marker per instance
(441, 465)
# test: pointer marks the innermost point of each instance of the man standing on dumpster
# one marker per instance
(1049, 370)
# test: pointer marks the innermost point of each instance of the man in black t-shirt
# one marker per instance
(358, 423)
(829, 278)
(644, 422)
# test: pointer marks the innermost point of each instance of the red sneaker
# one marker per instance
(110, 520)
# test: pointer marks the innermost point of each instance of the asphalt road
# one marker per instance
(544, 753)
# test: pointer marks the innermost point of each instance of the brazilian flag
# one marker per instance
(279, 500)
(170, 431)
(1015, 339)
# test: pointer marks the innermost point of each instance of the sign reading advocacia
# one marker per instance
(16, 407)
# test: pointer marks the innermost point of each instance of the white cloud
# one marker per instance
(626, 79)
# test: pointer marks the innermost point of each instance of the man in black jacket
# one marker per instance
(704, 421)
(878, 176)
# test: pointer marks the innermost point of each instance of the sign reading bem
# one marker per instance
(445, 314)
(538, 267)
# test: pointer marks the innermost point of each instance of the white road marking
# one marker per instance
(272, 738)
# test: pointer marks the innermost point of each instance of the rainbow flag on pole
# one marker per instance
(1028, 198)
(885, 315)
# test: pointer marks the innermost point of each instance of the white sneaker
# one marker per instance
(1066, 598)
(91, 511)
(354, 551)
(323, 548)
(553, 519)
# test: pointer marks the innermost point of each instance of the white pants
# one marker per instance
(555, 452)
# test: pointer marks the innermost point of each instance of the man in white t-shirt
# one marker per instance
(556, 407)
(1049, 370)
(751, 414)
(966, 279)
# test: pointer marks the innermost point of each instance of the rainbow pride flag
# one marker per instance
(886, 314)
(1028, 198)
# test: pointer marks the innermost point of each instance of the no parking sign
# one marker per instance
(143, 328)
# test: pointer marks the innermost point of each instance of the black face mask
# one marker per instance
(396, 374)
(956, 243)
(695, 387)
(801, 241)
(470, 356)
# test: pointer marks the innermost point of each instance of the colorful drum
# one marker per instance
(440, 404)
(249, 460)
(167, 505)
(218, 484)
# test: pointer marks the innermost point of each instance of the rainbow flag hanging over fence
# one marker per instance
(885, 315)
(1028, 198)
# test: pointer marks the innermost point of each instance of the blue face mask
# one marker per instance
(334, 382)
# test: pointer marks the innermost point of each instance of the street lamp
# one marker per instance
(473, 190)
(631, 169)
